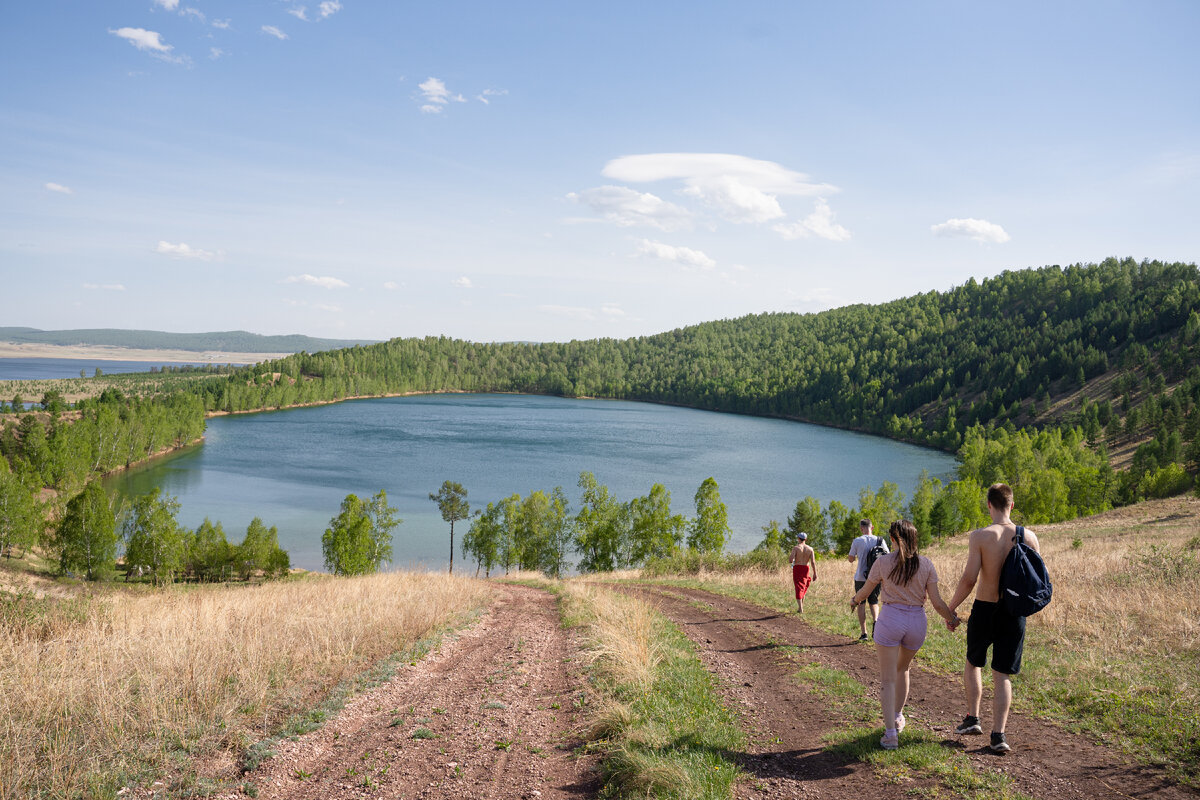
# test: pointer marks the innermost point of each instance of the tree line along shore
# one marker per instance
(1035, 377)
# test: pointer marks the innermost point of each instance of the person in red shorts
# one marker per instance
(804, 569)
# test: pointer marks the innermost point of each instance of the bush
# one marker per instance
(691, 562)
(1164, 482)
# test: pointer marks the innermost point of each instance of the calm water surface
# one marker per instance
(292, 468)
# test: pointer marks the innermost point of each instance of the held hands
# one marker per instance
(953, 623)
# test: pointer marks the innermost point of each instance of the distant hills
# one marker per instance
(224, 341)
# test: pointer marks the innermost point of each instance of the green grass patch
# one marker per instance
(672, 738)
(924, 764)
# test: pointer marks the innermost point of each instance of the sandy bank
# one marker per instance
(23, 350)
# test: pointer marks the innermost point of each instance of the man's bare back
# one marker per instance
(989, 547)
(801, 554)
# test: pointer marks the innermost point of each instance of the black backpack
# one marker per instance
(872, 554)
(1025, 586)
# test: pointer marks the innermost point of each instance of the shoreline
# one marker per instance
(109, 353)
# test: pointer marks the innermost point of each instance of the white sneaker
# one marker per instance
(890, 741)
(900, 721)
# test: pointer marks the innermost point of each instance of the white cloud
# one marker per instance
(58, 187)
(610, 310)
(194, 13)
(299, 13)
(463, 283)
(327, 307)
(978, 229)
(104, 287)
(143, 39)
(329, 8)
(437, 95)
(680, 255)
(738, 188)
(313, 280)
(627, 207)
(215, 52)
(182, 250)
(169, 5)
(391, 286)
(273, 31)
(483, 97)
(223, 24)
(819, 223)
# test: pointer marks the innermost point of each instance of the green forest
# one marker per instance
(1035, 377)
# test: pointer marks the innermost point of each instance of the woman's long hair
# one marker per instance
(904, 537)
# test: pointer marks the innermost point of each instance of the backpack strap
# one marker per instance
(1020, 535)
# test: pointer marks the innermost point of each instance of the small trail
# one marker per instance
(497, 703)
(787, 757)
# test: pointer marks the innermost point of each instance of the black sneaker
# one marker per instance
(999, 743)
(862, 637)
(970, 725)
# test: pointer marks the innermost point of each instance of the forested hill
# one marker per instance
(1112, 347)
(224, 341)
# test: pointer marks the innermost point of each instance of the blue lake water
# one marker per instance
(292, 468)
(25, 369)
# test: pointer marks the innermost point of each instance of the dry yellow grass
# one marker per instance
(620, 633)
(113, 689)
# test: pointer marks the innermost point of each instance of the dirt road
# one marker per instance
(788, 756)
(493, 712)
(488, 715)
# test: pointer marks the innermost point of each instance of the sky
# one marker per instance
(548, 171)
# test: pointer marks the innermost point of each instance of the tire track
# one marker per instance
(489, 714)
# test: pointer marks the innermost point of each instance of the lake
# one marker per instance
(292, 468)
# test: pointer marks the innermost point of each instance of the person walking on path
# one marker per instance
(906, 578)
(804, 569)
(990, 624)
(859, 548)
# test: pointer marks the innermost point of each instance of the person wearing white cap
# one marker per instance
(804, 569)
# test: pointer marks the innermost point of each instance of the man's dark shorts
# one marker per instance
(874, 598)
(990, 625)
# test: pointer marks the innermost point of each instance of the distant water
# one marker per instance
(293, 467)
(25, 369)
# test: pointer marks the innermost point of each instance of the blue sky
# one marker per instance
(555, 171)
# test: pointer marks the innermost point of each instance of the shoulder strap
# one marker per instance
(1020, 535)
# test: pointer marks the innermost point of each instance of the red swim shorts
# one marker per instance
(801, 578)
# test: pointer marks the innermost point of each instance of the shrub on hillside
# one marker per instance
(691, 562)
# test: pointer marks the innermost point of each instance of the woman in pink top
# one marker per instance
(907, 578)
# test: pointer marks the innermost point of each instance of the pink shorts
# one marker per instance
(901, 626)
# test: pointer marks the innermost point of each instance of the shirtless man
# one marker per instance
(990, 624)
(804, 569)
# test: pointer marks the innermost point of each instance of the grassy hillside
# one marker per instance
(116, 686)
